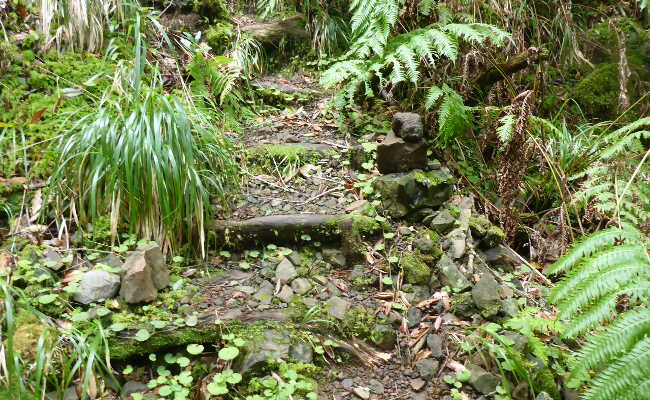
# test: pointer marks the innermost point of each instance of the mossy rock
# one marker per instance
(28, 331)
(416, 271)
(603, 45)
(489, 234)
(597, 93)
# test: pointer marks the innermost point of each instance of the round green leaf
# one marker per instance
(158, 324)
(234, 378)
(195, 349)
(165, 390)
(142, 335)
(183, 361)
(192, 320)
(47, 298)
(217, 389)
(117, 327)
(228, 353)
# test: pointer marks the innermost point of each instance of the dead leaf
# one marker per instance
(418, 334)
(422, 354)
(37, 115)
(189, 272)
(37, 204)
(455, 366)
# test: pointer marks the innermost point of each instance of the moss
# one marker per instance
(597, 92)
(264, 156)
(603, 45)
(27, 334)
(544, 381)
(123, 348)
(219, 36)
(494, 237)
(38, 110)
(415, 269)
(358, 322)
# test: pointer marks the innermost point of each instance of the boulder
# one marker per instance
(481, 380)
(450, 275)
(403, 193)
(337, 307)
(408, 126)
(486, 294)
(144, 272)
(97, 285)
(270, 346)
(395, 154)
(285, 271)
(442, 222)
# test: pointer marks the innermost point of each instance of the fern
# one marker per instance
(616, 182)
(526, 323)
(602, 270)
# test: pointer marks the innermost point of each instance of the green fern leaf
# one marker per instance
(506, 129)
(593, 243)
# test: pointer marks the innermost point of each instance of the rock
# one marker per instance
(302, 352)
(111, 260)
(520, 341)
(301, 286)
(285, 271)
(417, 384)
(144, 272)
(434, 342)
(69, 394)
(376, 387)
(131, 387)
(334, 257)
(543, 396)
(426, 368)
(359, 205)
(394, 154)
(443, 222)
(272, 345)
(417, 294)
(424, 243)
(408, 126)
(449, 274)
(509, 307)
(481, 380)
(486, 294)
(347, 383)
(285, 294)
(295, 258)
(457, 244)
(97, 285)
(402, 193)
(265, 293)
(337, 307)
(361, 393)
(414, 316)
(384, 337)
(53, 259)
(415, 268)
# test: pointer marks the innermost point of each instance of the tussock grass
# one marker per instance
(153, 164)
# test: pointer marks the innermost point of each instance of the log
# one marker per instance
(497, 72)
(274, 31)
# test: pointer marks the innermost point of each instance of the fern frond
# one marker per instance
(433, 94)
(620, 380)
(593, 243)
(605, 308)
(614, 256)
(506, 129)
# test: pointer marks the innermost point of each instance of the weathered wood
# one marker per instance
(277, 229)
(497, 72)
(274, 31)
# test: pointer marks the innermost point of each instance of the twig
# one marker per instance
(523, 260)
(320, 195)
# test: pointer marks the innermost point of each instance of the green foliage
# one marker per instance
(79, 24)
(603, 270)
(152, 163)
(616, 182)
(377, 59)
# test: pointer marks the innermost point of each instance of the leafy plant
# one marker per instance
(607, 281)
(377, 60)
(79, 24)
